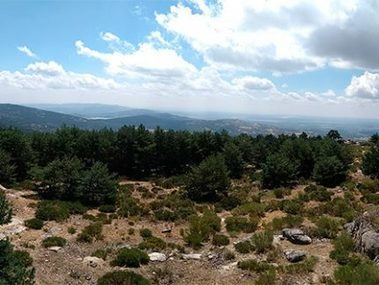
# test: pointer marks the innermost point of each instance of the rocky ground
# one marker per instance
(73, 264)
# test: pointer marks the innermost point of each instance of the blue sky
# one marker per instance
(255, 56)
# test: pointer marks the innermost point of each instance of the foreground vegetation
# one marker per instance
(197, 178)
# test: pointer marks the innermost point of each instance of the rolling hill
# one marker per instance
(33, 119)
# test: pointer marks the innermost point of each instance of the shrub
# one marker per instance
(201, 227)
(122, 278)
(5, 209)
(364, 273)
(262, 242)
(327, 227)
(252, 208)
(343, 247)
(299, 268)
(208, 180)
(230, 202)
(34, 223)
(52, 210)
(54, 241)
(145, 233)
(370, 163)
(241, 224)
(288, 221)
(220, 240)
(255, 266)
(76, 208)
(130, 257)
(15, 266)
(7, 168)
(127, 206)
(100, 253)
(152, 243)
(266, 278)
(91, 232)
(317, 193)
(71, 230)
(291, 206)
(244, 247)
(166, 215)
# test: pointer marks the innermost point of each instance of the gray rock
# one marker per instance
(294, 256)
(296, 236)
(193, 256)
(93, 261)
(157, 256)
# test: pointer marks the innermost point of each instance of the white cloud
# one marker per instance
(51, 75)
(27, 51)
(145, 61)
(279, 36)
(251, 83)
(364, 86)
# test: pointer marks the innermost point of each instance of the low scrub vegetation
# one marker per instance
(122, 278)
(130, 257)
(54, 241)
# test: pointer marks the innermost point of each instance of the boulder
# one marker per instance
(365, 233)
(296, 236)
(157, 256)
(294, 256)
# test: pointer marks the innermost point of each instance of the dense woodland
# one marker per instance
(81, 168)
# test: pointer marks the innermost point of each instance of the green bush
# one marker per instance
(365, 273)
(101, 253)
(152, 243)
(252, 208)
(266, 278)
(127, 206)
(54, 241)
(71, 230)
(244, 247)
(278, 170)
(317, 193)
(289, 221)
(122, 278)
(220, 240)
(166, 215)
(201, 227)
(7, 169)
(327, 227)
(91, 232)
(255, 266)
(230, 202)
(209, 180)
(293, 207)
(130, 257)
(262, 242)
(299, 268)
(5, 209)
(145, 233)
(52, 211)
(15, 266)
(34, 223)
(241, 224)
(370, 163)
(343, 247)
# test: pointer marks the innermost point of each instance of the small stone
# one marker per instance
(55, 248)
(157, 256)
(294, 256)
(93, 261)
(193, 256)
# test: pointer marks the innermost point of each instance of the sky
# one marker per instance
(289, 57)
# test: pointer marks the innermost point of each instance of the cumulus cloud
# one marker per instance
(51, 75)
(27, 51)
(145, 61)
(251, 83)
(364, 86)
(278, 36)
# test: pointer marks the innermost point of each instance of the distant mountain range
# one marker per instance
(94, 116)
(48, 117)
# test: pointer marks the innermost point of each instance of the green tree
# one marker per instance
(370, 163)
(59, 179)
(15, 266)
(97, 186)
(5, 209)
(208, 180)
(233, 160)
(7, 168)
(278, 170)
(329, 171)
(334, 135)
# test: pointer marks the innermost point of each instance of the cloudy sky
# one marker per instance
(295, 57)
